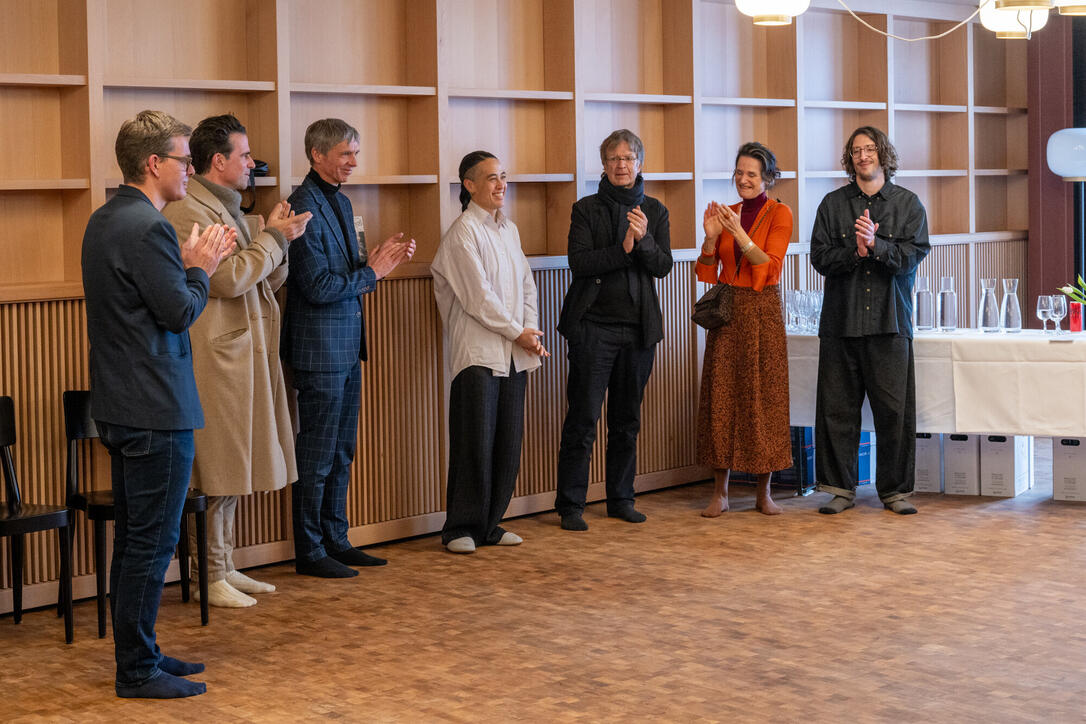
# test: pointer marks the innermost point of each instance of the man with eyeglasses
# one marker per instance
(143, 291)
(868, 238)
(619, 244)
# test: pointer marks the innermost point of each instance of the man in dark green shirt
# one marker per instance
(868, 239)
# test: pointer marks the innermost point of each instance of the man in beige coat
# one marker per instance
(248, 443)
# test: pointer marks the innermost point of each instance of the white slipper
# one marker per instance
(243, 583)
(463, 544)
(223, 595)
(510, 538)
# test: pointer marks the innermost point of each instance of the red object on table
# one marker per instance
(1075, 316)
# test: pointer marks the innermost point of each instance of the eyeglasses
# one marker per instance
(185, 161)
(870, 150)
(615, 160)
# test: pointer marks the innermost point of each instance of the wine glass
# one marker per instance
(1044, 310)
(1059, 310)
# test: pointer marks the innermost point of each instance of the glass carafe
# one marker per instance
(1010, 313)
(924, 306)
(988, 313)
(947, 305)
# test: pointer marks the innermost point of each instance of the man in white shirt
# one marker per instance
(487, 299)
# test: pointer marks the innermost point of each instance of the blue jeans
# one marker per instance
(150, 470)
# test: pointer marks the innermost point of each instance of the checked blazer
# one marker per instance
(324, 328)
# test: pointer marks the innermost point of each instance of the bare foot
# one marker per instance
(768, 507)
(716, 506)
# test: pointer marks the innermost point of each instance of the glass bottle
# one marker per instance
(988, 313)
(1010, 313)
(923, 306)
(947, 305)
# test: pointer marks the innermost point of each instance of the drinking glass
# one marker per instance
(923, 306)
(1044, 310)
(947, 305)
(1010, 314)
(1059, 310)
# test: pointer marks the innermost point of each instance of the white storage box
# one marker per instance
(929, 463)
(961, 464)
(1006, 465)
(1069, 468)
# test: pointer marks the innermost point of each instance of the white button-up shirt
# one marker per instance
(485, 293)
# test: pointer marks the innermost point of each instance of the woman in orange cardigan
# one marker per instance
(743, 408)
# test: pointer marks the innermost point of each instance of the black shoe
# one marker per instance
(628, 514)
(355, 557)
(573, 521)
(326, 567)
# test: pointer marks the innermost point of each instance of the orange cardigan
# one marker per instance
(771, 235)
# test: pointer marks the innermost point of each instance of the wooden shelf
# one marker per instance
(984, 236)
(1001, 171)
(363, 90)
(929, 108)
(668, 176)
(531, 178)
(515, 95)
(846, 105)
(391, 180)
(636, 98)
(826, 174)
(260, 182)
(40, 291)
(194, 84)
(999, 110)
(42, 80)
(749, 102)
(727, 175)
(931, 172)
(44, 184)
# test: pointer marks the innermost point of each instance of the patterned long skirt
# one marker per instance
(743, 406)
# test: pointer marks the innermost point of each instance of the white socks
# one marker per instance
(509, 538)
(461, 545)
(223, 595)
(243, 583)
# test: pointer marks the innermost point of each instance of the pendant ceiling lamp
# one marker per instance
(773, 12)
(1067, 154)
(1009, 24)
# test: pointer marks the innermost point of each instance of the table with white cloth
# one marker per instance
(1025, 383)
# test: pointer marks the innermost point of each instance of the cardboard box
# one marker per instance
(961, 464)
(1006, 465)
(929, 463)
(1069, 468)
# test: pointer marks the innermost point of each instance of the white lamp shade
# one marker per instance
(1012, 23)
(1067, 154)
(1071, 7)
(1022, 4)
(773, 12)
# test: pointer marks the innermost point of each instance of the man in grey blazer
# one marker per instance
(143, 291)
(323, 341)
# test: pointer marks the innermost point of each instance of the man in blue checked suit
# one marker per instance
(324, 339)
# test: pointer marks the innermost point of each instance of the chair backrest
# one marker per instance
(78, 425)
(7, 442)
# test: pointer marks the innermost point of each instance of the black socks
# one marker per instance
(355, 557)
(163, 686)
(177, 667)
(326, 567)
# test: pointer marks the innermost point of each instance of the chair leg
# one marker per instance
(17, 577)
(183, 556)
(71, 544)
(66, 580)
(101, 574)
(201, 556)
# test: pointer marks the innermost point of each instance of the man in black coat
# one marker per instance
(143, 291)
(619, 244)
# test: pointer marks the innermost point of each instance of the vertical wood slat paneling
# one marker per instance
(1006, 260)
(951, 260)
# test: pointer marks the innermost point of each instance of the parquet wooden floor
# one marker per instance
(972, 611)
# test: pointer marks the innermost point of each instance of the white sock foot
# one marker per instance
(510, 538)
(463, 544)
(243, 583)
(223, 595)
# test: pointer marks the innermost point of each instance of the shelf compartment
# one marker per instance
(679, 196)
(498, 45)
(364, 42)
(999, 70)
(725, 128)
(388, 209)
(946, 200)
(931, 140)
(930, 72)
(397, 134)
(826, 130)
(1002, 203)
(635, 47)
(44, 133)
(831, 34)
(540, 211)
(1001, 141)
(43, 42)
(531, 136)
(513, 95)
(663, 129)
(741, 59)
(43, 239)
(211, 40)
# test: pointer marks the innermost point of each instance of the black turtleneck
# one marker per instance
(330, 191)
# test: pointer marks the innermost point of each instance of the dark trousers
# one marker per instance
(150, 473)
(486, 426)
(609, 360)
(327, 427)
(880, 367)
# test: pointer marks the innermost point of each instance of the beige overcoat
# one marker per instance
(247, 443)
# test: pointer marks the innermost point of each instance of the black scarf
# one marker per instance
(620, 201)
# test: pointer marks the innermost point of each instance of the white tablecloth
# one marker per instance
(970, 382)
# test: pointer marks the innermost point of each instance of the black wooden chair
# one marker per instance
(18, 518)
(98, 506)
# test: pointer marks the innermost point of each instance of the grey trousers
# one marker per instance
(220, 538)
